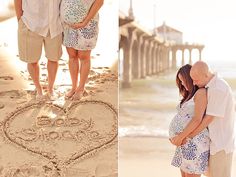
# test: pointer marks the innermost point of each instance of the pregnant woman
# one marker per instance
(191, 157)
(80, 19)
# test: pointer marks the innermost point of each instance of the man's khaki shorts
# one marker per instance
(30, 45)
(220, 164)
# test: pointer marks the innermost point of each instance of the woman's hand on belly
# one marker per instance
(77, 25)
(177, 140)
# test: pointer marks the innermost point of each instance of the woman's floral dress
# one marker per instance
(74, 11)
(193, 156)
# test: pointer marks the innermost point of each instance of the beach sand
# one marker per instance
(6, 10)
(149, 156)
(59, 138)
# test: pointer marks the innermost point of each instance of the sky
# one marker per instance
(208, 22)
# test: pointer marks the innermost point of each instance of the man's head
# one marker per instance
(200, 74)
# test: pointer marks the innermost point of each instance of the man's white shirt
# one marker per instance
(42, 16)
(221, 105)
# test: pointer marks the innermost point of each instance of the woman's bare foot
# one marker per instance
(39, 94)
(70, 93)
(79, 94)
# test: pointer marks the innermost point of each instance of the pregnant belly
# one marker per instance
(73, 13)
(177, 125)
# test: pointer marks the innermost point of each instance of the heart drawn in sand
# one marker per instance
(62, 135)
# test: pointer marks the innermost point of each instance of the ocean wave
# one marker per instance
(142, 131)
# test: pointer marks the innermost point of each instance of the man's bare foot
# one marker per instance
(39, 90)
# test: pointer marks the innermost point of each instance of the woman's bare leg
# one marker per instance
(84, 57)
(192, 175)
(74, 69)
(182, 173)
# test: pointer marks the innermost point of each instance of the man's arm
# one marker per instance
(213, 109)
(18, 8)
(200, 101)
(205, 122)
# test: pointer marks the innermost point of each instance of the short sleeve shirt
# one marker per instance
(221, 105)
(42, 16)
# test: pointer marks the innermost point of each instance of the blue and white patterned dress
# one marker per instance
(193, 156)
(74, 11)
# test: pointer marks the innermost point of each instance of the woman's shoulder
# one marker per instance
(201, 92)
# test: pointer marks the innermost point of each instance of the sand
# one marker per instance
(149, 156)
(55, 138)
(8, 12)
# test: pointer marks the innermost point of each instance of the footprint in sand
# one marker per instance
(42, 64)
(2, 106)
(92, 72)
(91, 93)
(6, 77)
(24, 170)
(4, 45)
(90, 88)
(65, 69)
(98, 91)
(31, 92)
(13, 94)
(62, 64)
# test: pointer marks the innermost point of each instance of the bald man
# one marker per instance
(219, 119)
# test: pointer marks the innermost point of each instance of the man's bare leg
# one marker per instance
(33, 69)
(52, 67)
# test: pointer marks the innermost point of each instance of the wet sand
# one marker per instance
(149, 156)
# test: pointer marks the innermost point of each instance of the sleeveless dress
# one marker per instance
(193, 156)
(74, 11)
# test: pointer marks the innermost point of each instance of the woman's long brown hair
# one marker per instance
(184, 71)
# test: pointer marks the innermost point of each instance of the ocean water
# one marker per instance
(147, 108)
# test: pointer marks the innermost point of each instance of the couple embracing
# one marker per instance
(50, 23)
(204, 127)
